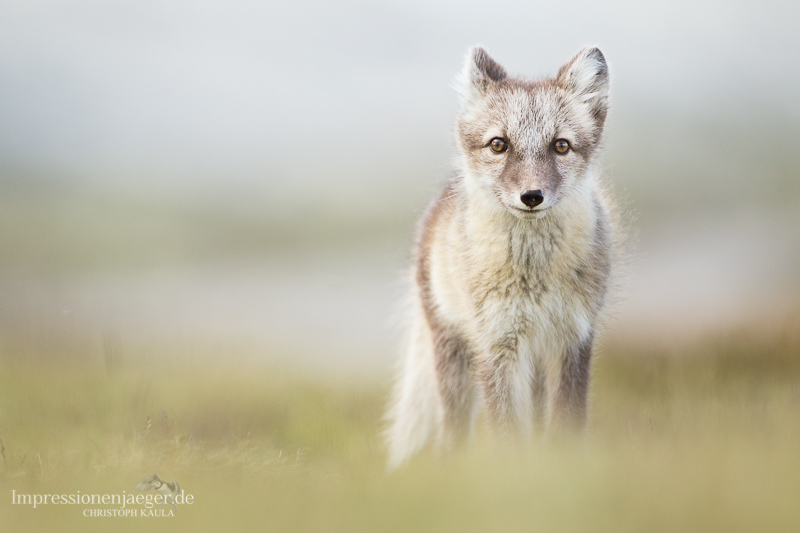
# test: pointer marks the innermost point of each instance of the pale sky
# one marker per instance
(227, 90)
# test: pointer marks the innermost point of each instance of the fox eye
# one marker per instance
(561, 146)
(498, 145)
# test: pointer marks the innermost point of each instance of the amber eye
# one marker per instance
(498, 145)
(561, 146)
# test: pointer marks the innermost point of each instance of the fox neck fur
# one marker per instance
(484, 269)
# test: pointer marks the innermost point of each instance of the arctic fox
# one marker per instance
(512, 261)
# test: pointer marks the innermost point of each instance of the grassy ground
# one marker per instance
(699, 438)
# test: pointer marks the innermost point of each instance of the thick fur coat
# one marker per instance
(512, 263)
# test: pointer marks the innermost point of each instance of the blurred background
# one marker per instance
(242, 179)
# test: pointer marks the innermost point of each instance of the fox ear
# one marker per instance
(480, 72)
(586, 76)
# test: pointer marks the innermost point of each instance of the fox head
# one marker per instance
(527, 143)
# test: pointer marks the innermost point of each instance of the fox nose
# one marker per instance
(532, 198)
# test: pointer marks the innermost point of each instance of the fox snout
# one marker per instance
(532, 198)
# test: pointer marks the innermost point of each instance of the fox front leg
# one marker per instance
(505, 378)
(452, 361)
(568, 395)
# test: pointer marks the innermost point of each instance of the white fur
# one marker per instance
(501, 278)
(416, 410)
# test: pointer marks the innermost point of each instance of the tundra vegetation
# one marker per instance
(703, 436)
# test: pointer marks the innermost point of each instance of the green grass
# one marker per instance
(698, 438)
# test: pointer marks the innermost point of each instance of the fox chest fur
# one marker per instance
(535, 284)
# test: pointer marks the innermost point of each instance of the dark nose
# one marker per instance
(532, 198)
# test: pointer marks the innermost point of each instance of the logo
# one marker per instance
(171, 492)
(163, 502)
